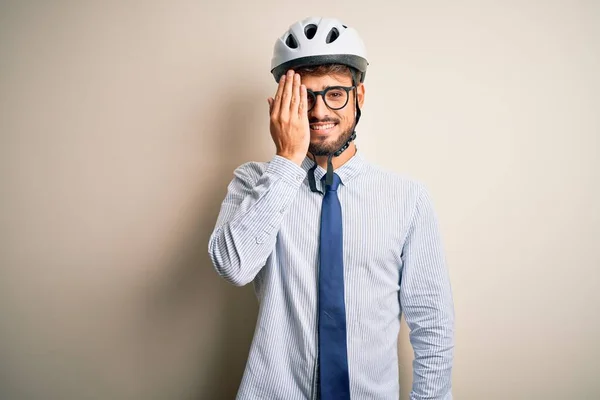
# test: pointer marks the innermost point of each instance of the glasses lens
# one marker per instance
(336, 98)
(311, 99)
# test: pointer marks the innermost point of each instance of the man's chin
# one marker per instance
(324, 148)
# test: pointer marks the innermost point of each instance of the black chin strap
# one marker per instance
(311, 177)
(329, 177)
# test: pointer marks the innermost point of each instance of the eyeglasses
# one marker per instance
(335, 97)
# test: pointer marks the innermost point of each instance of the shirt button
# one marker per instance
(300, 177)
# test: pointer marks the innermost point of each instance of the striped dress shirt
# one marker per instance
(267, 233)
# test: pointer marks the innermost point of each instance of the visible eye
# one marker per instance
(336, 93)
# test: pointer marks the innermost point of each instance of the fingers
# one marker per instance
(277, 100)
(295, 102)
(291, 97)
(303, 106)
(286, 98)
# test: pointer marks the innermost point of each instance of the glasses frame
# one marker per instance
(323, 92)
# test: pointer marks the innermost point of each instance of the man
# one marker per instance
(337, 248)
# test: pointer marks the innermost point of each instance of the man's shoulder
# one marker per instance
(393, 179)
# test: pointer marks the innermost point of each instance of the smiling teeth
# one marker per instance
(321, 127)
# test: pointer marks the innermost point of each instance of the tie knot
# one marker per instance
(336, 181)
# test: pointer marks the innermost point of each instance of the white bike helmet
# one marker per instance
(317, 41)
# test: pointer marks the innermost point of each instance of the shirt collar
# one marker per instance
(346, 172)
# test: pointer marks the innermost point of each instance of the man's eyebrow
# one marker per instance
(326, 87)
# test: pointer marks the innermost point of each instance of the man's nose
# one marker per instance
(320, 109)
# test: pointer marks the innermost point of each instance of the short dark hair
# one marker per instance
(330, 69)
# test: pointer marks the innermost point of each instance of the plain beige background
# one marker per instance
(121, 124)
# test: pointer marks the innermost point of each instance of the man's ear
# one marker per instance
(360, 92)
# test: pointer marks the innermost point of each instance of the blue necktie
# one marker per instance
(333, 357)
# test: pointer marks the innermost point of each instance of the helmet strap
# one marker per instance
(311, 176)
(329, 177)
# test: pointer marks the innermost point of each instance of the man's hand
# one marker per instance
(289, 120)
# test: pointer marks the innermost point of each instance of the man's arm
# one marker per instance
(426, 300)
(253, 209)
(250, 217)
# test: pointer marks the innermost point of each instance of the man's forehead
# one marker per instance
(314, 82)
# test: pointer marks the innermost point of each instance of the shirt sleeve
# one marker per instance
(426, 300)
(250, 217)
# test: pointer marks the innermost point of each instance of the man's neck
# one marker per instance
(337, 161)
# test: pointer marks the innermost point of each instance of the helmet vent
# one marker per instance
(291, 42)
(310, 31)
(332, 35)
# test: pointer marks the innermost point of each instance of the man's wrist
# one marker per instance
(295, 158)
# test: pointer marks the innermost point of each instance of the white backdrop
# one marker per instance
(121, 124)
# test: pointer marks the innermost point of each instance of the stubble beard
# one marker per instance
(325, 148)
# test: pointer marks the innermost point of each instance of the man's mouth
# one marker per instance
(323, 128)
